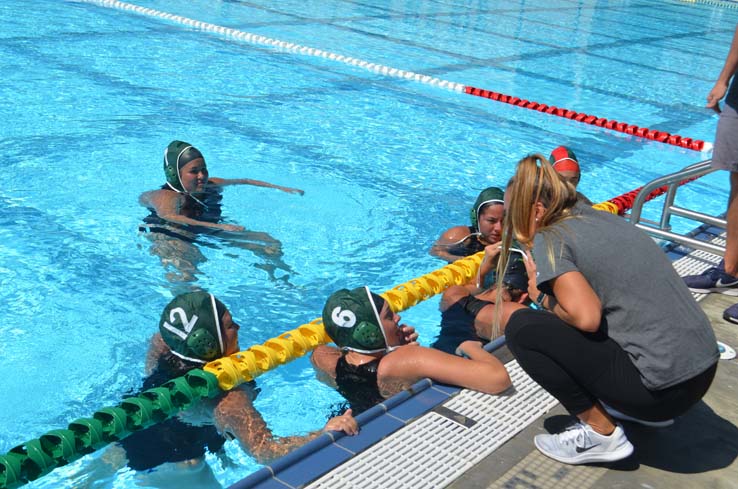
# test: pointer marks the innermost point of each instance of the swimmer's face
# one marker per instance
(571, 176)
(391, 325)
(194, 176)
(230, 334)
(490, 222)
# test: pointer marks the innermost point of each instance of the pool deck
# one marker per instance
(699, 450)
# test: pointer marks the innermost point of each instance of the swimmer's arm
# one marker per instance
(168, 206)
(222, 182)
(157, 348)
(575, 302)
(482, 371)
(236, 415)
(450, 237)
(324, 359)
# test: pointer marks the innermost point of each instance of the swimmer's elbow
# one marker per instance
(497, 382)
(503, 382)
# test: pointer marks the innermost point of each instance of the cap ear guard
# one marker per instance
(474, 219)
(368, 335)
(203, 344)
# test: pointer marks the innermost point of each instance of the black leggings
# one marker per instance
(579, 368)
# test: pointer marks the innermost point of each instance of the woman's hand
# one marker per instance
(492, 251)
(345, 422)
(532, 272)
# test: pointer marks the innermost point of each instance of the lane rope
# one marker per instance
(624, 127)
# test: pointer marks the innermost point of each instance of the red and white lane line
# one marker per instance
(651, 134)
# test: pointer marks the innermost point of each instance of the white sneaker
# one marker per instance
(624, 417)
(580, 444)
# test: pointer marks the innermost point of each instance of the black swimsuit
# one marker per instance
(358, 384)
(457, 324)
(468, 247)
(206, 208)
(172, 440)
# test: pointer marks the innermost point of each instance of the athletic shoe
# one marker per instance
(580, 444)
(624, 417)
(713, 279)
(731, 314)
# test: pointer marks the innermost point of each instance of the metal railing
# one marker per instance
(662, 228)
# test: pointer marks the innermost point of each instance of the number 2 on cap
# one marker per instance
(188, 324)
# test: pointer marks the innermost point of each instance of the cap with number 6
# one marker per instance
(351, 319)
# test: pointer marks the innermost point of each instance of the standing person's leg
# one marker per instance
(724, 277)
(725, 157)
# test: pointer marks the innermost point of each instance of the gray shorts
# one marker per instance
(725, 152)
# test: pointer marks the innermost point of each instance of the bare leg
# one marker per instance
(179, 257)
(731, 246)
(598, 419)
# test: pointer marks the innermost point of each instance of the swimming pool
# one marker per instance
(95, 94)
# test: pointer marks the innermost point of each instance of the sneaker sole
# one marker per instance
(730, 319)
(623, 451)
(719, 290)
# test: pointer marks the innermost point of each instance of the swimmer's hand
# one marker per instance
(291, 190)
(468, 348)
(345, 422)
(409, 336)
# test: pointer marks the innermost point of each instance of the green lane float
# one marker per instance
(36, 458)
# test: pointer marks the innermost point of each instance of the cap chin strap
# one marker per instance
(386, 348)
(217, 324)
(190, 359)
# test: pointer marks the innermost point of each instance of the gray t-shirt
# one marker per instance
(646, 307)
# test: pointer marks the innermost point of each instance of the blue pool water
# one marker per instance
(94, 94)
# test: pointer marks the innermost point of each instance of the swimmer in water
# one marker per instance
(189, 205)
(378, 357)
(565, 163)
(470, 314)
(196, 328)
(486, 228)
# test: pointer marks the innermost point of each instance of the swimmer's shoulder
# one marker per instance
(454, 234)
(157, 197)
(325, 358)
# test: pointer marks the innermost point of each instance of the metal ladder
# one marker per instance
(662, 228)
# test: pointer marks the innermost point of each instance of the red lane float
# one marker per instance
(643, 132)
(624, 202)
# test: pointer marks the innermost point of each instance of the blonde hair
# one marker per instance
(535, 181)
